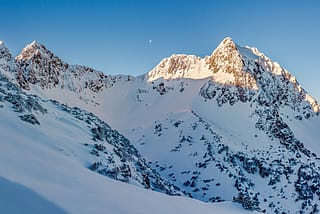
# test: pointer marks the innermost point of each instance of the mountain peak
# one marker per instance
(36, 45)
(225, 58)
(3, 47)
(227, 43)
(32, 49)
(34, 42)
(221, 65)
(37, 65)
(227, 40)
(5, 54)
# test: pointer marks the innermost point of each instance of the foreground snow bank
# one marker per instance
(15, 198)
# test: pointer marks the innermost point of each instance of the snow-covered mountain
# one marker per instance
(78, 134)
(49, 152)
(232, 126)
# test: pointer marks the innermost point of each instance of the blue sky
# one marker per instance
(114, 35)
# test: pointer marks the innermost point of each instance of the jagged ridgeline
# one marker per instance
(232, 126)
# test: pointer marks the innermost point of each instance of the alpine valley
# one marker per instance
(233, 132)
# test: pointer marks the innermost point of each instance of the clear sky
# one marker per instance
(132, 36)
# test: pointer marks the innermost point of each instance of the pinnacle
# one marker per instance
(34, 44)
(228, 41)
(227, 45)
(2, 45)
(4, 53)
(31, 49)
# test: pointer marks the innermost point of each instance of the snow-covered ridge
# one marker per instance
(276, 69)
(39, 71)
(229, 64)
(224, 66)
(232, 65)
(179, 66)
(226, 58)
(36, 68)
(231, 126)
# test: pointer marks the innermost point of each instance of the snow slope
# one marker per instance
(58, 178)
(44, 165)
(70, 187)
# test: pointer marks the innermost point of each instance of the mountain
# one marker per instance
(232, 126)
(49, 152)
(78, 134)
(53, 156)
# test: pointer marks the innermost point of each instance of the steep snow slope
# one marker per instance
(78, 134)
(46, 149)
(231, 126)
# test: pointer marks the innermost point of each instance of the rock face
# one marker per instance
(227, 59)
(36, 68)
(37, 65)
(230, 126)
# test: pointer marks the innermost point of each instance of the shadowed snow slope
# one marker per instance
(16, 198)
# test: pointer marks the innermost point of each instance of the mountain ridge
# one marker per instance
(175, 66)
(234, 113)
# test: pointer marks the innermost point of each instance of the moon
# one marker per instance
(150, 41)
